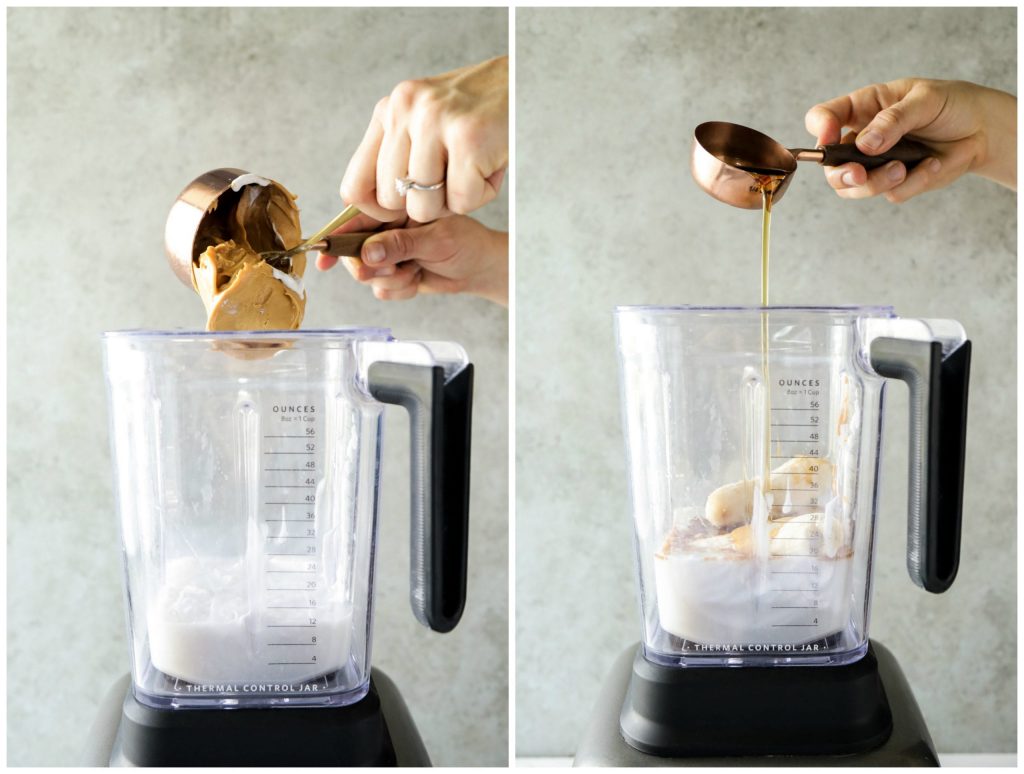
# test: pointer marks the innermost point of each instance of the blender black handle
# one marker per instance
(909, 152)
(439, 426)
(938, 435)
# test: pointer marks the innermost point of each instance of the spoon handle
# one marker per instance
(348, 245)
(907, 151)
(340, 220)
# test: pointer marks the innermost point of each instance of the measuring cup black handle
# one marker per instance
(907, 151)
(938, 437)
(440, 426)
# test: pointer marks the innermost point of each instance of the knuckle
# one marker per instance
(403, 96)
(350, 192)
(469, 130)
(380, 110)
(421, 211)
(429, 110)
(459, 202)
(401, 243)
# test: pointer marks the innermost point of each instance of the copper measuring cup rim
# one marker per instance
(195, 202)
(718, 169)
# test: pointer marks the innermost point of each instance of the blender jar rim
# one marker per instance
(882, 310)
(310, 333)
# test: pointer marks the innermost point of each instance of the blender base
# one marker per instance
(902, 742)
(375, 731)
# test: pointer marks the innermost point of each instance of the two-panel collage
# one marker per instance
(516, 387)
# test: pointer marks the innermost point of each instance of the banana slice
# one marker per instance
(813, 534)
(733, 504)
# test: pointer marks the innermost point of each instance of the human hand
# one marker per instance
(451, 127)
(969, 128)
(456, 254)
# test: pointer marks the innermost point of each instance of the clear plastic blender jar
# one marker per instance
(247, 472)
(753, 439)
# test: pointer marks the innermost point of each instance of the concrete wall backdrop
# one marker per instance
(110, 114)
(607, 214)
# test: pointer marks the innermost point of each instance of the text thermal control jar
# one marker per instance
(753, 441)
(247, 471)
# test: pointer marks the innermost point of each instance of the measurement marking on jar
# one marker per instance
(291, 537)
(274, 554)
(309, 503)
(775, 424)
(792, 408)
(309, 453)
(288, 486)
(794, 607)
(302, 521)
(300, 572)
(801, 590)
(289, 663)
(290, 589)
(290, 607)
(291, 644)
(783, 626)
(797, 440)
(291, 626)
(794, 572)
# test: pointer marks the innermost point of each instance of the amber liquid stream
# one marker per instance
(767, 181)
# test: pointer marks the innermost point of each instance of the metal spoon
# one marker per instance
(726, 156)
(317, 241)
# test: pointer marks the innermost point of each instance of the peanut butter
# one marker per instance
(241, 291)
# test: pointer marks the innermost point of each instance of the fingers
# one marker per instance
(825, 121)
(851, 184)
(359, 184)
(426, 244)
(926, 176)
(917, 109)
(392, 164)
(326, 262)
(854, 110)
(426, 166)
(401, 286)
(469, 186)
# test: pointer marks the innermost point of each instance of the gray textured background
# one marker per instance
(608, 214)
(110, 114)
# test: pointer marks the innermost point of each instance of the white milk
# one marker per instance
(722, 598)
(203, 629)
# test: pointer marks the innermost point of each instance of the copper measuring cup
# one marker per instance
(193, 224)
(726, 156)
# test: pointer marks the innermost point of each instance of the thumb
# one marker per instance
(399, 244)
(890, 124)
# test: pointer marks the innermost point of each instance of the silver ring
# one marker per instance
(405, 184)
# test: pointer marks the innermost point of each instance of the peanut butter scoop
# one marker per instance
(240, 290)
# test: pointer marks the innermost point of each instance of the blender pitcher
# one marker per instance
(753, 439)
(247, 472)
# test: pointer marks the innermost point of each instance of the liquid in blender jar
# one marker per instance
(770, 563)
